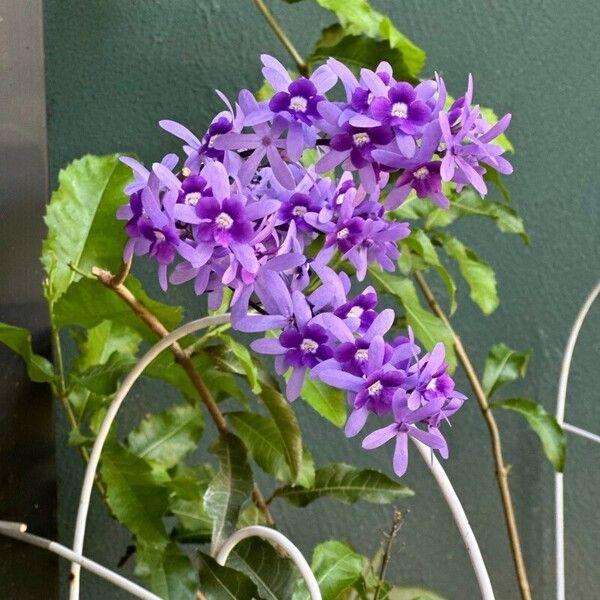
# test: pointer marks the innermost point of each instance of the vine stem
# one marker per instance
(387, 550)
(116, 284)
(501, 468)
(60, 391)
(283, 38)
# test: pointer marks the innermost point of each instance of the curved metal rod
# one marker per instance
(279, 539)
(17, 532)
(90, 474)
(92, 466)
(460, 518)
(561, 401)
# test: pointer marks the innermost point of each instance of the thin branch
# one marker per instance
(283, 38)
(501, 468)
(154, 323)
(387, 550)
(61, 392)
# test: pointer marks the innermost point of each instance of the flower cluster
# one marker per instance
(248, 212)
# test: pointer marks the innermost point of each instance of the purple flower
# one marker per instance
(220, 126)
(295, 208)
(223, 222)
(358, 312)
(357, 143)
(299, 101)
(305, 347)
(430, 380)
(467, 138)
(403, 110)
(354, 144)
(425, 180)
(401, 430)
(379, 245)
(265, 141)
(373, 393)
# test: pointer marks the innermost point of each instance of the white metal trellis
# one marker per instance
(561, 402)
(17, 530)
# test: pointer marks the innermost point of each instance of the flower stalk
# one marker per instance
(501, 468)
(282, 36)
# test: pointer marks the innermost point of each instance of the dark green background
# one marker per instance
(114, 68)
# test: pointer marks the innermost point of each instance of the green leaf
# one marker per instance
(186, 502)
(82, 226)
(246, 360)
(347, 484)
(104, 378)
(418, 242)
(18, 339)
(287, 424)
(222, 385)
(412, 593)
(336, 567)
(359, 17)
(503, 365)
(479, 275)
(136, 493)
(265, 444)
(273, 575)
(428, 328)
(99, 342)
(329, 402)
(169, 573)
(230, 489)
(88, 303)
(224, 583)
(169, 436)
(545, 426)
(469, 204)
(358, 51)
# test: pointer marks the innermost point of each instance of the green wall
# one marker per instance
(115, 67)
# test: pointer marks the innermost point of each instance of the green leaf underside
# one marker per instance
(273, 575)
(222, 385)
(287, 424)
(479, 275)
(39, 369)
(169, 573)
(329, 402)
(224, 583)
(186, 503)
(246, 360)
(419, 243)
(169, 436)
(545, 426)
(264, 443)
(503, 365)
(88, 303)
(358, 51)
(101, 341)
(136, 494)
(428, 328)
(230, 489)
(412, 593)
(104, 378)
(469, 204)
(336, 567)
(358, 17)
(347, 484)
(82, 226)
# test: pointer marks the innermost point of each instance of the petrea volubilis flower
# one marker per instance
(246, 213)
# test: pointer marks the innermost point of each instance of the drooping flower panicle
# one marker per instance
(247, 213)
